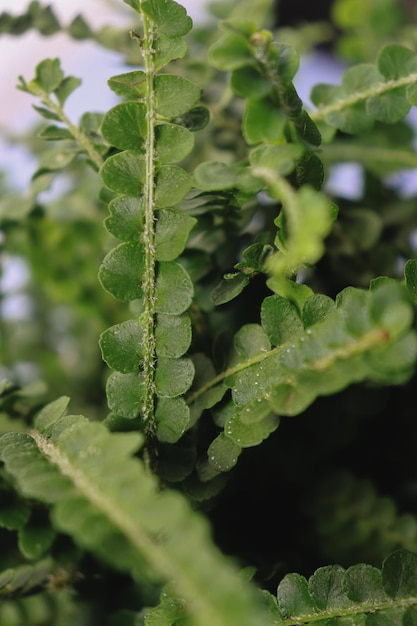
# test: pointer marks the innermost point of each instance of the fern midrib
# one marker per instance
(190, 586)
(355, 98)
(368, 341)
(358, 609)
(149, 276)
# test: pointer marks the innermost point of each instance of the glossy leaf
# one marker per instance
(121, 271)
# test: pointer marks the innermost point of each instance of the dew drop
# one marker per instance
(308, 331)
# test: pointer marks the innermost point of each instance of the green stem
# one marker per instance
(82, 139)
(149, 278)
(377, 90)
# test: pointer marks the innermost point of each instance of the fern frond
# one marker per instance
(108, 503)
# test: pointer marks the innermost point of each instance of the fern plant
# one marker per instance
(233, 294)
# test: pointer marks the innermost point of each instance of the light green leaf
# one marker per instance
(124, 173)
(395, 61)
(171, 233)
(215, 176)
(49, 75)
(174, 289)
(173, 143)
(280, 158)
(231, 52)
(121, 271)
(263, 121)
(280, 320)
(390, 107)
(250, 341)
(360, 77)
(315, 309)
(121, 346)
(172, 185)
(51, 412)
(173, 335)
(175, 95)
(172, 417)
(66, 87)
(251, 434)
(173, 377)
(125, 394)
(223, 453)
(124, 126)
(170, 17)
(125, 219)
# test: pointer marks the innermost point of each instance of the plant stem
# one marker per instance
(149, 278)
(82, 139)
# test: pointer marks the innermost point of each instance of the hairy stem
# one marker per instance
(149, 277)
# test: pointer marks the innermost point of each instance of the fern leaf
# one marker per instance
(108, 503)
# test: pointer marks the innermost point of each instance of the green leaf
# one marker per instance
(170, 17)
(390, 108)
(35, 539)
(125, 219)
(250, 434)
(49, 74)
(173, 377)
(395, 61)
(55, 133)
(173, 335)
(280, 158)
(124, 126)
(410, 274)
(171, 233)
(195, 119)
(294, 598)
(247, 82)
(125, 394)
(26, 579)
(167, 49)
(130, 85)
(173, 143)
(223, 453)
(172, 185)
(66, 87)
(121, 346)
(230, 287)
(263, 122)
(124, 173)
(175, 95)
(121, 271)
(280, 320)
(51, 412)
(172, 416)
(315, 309)
(250, 341)
(174, 289)
(231, 52)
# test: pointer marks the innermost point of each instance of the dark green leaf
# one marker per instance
(172, 184)
(49, 74)
(173, 335)
(195, 119)
(168, 49)
(125, 219)
(223, 453)
(263, 122)
(121, 271)
(173, 143)
(66, 87)
(173, 376)
(294, 598)
(280, 320)
(230, 287)
(121, 346)
(124, 126)
(172, 417)
(171, 235)
(124, 173)
(125, 394)
(174, 289)
(131, 85)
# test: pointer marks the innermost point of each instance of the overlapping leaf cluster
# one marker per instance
(150, 133)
